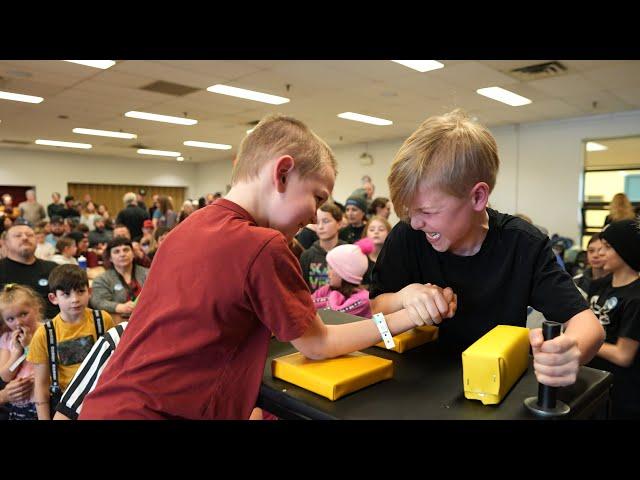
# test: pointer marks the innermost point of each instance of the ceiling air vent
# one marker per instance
(538, 71)
(169, 88)
(15, 142)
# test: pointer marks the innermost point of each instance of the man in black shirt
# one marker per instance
(99, 234)
(355, 210)
(55, 208)
(70, 210)
(21, 266)
(132, 216)
(451, 248)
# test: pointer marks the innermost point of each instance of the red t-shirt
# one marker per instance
(196, 344)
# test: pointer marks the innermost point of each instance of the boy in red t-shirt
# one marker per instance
(224, 279)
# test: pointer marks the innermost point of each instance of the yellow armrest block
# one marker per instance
(335, 377)
(412, 338)
(493, 364)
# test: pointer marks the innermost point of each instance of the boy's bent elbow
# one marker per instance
(315, 355)
(313, 344)
(310, 349)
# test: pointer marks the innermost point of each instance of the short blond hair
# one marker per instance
(282, 135)
(450, 151)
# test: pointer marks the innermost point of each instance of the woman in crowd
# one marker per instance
(119, 286)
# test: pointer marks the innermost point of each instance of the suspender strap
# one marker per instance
(53, 353)
(98, 322)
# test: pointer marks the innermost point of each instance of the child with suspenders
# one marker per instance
(60, 345)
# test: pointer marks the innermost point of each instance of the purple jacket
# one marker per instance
(357, 304)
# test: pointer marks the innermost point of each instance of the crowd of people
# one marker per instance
(272, 252)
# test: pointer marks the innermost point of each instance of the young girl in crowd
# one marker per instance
(595, 270)
(21, 309)
(344, 293)
(66, 249)
(89, 215)
(377, 229)
(44, 250)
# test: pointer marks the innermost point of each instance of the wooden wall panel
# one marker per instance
(111, 195)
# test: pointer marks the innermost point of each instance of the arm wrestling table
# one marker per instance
(426, 385)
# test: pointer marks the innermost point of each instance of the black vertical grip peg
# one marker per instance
(546, 404)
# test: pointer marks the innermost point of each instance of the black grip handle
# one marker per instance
(547, 394)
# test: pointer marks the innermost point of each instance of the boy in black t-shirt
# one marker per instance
(451, 248)
(615, 299)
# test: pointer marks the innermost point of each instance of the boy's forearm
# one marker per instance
(387, 303)
(609, 352)
(42, 399)
(585, 328)
(350, 337)
(43, 405)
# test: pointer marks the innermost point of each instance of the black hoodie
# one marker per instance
(314, 265)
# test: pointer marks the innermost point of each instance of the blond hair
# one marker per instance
(376, 218)
(621, 208)
(451, 152)
(281, 135)
(11, 293)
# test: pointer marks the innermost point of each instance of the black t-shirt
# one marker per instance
(55, 209)
(351, 234)
(69, 213)
(515, 267)
(306, 237)
(133, 217)
(35, 276)
(366, 278)
(618, 309)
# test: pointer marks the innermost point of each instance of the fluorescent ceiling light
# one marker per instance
(180, 159)
(420, 65)
(216, 146)
(595, 147)
(504, 96)
(160, 118)
(357, 117)
(248, 94)
(18, 97)
(162, 153)
(56, 143)
(104, 133)
(103, 64)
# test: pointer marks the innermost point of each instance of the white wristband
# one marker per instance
(378, 319)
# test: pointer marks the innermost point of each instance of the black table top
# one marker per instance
(426, 384)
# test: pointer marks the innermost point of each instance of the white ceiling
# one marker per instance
(318, 89)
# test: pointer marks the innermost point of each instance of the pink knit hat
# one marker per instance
(350, 261)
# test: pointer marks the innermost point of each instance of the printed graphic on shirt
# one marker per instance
(318, 275)
(72, 352)
(602, 311)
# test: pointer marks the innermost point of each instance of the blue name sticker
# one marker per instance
(117, 287)
(43, 282)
